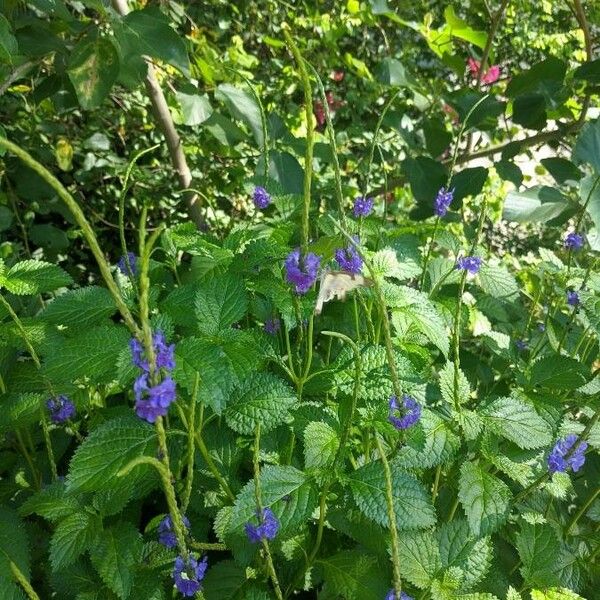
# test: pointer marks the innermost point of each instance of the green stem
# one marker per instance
(428, 253)
(22, 581)
(210, 463)
(456, 339)
(48, 442)
(389, 498)
(584, 508)
(37, 479)
(191, 447)
(310, 131)
(86, 228)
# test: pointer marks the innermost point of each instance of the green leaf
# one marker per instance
(412, 504)
(529, 110)
(73, 536)
(538, 549)
(589, 195)
(544, 78)
(555, 594)
(460, 29)
(321, 443)
(561, 169)
(484, 498)
(30, 277)
(587, 146)
(220, 302)
(93, 355)
(117, 550)
(93, 69)
(392, 72)
(536, 204)
(588, 71)
(285, 170)
(419, 558)
(147, 32)
(558, 372)
(354, 576)
(468, 182)
(195, 108)
(508, 171)
(460, 548)
(518, 422)
(287, 491)
(242, 105)
(497, 281)
(223, 580)
(262, 398)
(107, 450)
(14, 545)
(80, 308)
(426, 176)
(51, 503)
(8, 42)
(463, 389)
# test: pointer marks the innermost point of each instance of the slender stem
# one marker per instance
(428, 253)
(210, 463)
(310, 130)
(208, 546)
(456, 339)
(389, 498)
(21, 329)
(496, 17)
(83, 223)
(584, 508)
(37, 479)
(48, 442)
(191, 447)
(22, 581)
(436, 483)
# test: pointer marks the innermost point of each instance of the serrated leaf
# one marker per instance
(555, 594)
(412, 504)
(80, 308)
(460, 548)
(107, 450)
(286, 490)
(498, 282)
(320, 445)
(52, 503)
(262, 398)
(463, 389)
(558, 372)
(419, 558)
(30, 277)
(14, 545)
(219, 303)
(484, 498)
(518, 422)
(223, 580)
(538, 548)
(73, 536)
(116, 551)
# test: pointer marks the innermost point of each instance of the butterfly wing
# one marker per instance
(336, 284)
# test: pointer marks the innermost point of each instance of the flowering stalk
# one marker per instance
(22, 581)
(257, 492)
(86, 228)
(191, 448)
(584, 508)
(310, 131)
(389, 498)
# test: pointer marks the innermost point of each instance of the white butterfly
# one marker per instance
(336, 284)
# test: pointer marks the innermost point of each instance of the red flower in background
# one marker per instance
(336, 75)
(319, 109)
(490, 76)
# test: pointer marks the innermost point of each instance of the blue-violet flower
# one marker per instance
(128, 269)
(349, 259)
(164, 353)
(302, 273)
(267, 528)
(521, 345)
(442, 202)
(472, 264)
(166, 535)
(409, 408)
(61, 409)
(363, 206)
(188, 576)
(261, 197)
(557, 461)
(573, 241)
(572, 298)
(403, 596)
(272, 326)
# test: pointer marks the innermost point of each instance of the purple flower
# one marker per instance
(363, 206)
(163, 393)
(265, 530)
(272, 326)
(302, 273)
(403, 596)
(153, 402)
(410, 410)
(125, 268)
(442, 202)
(573, 241)
(557, 460)
(61, 409)
(166, 535)
(521, 345)
(261, 197)
(472, 264)
(349, 259)
(188, 576)
(164, 353)
(572, 298)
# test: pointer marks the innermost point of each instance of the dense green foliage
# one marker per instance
(147, 129)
